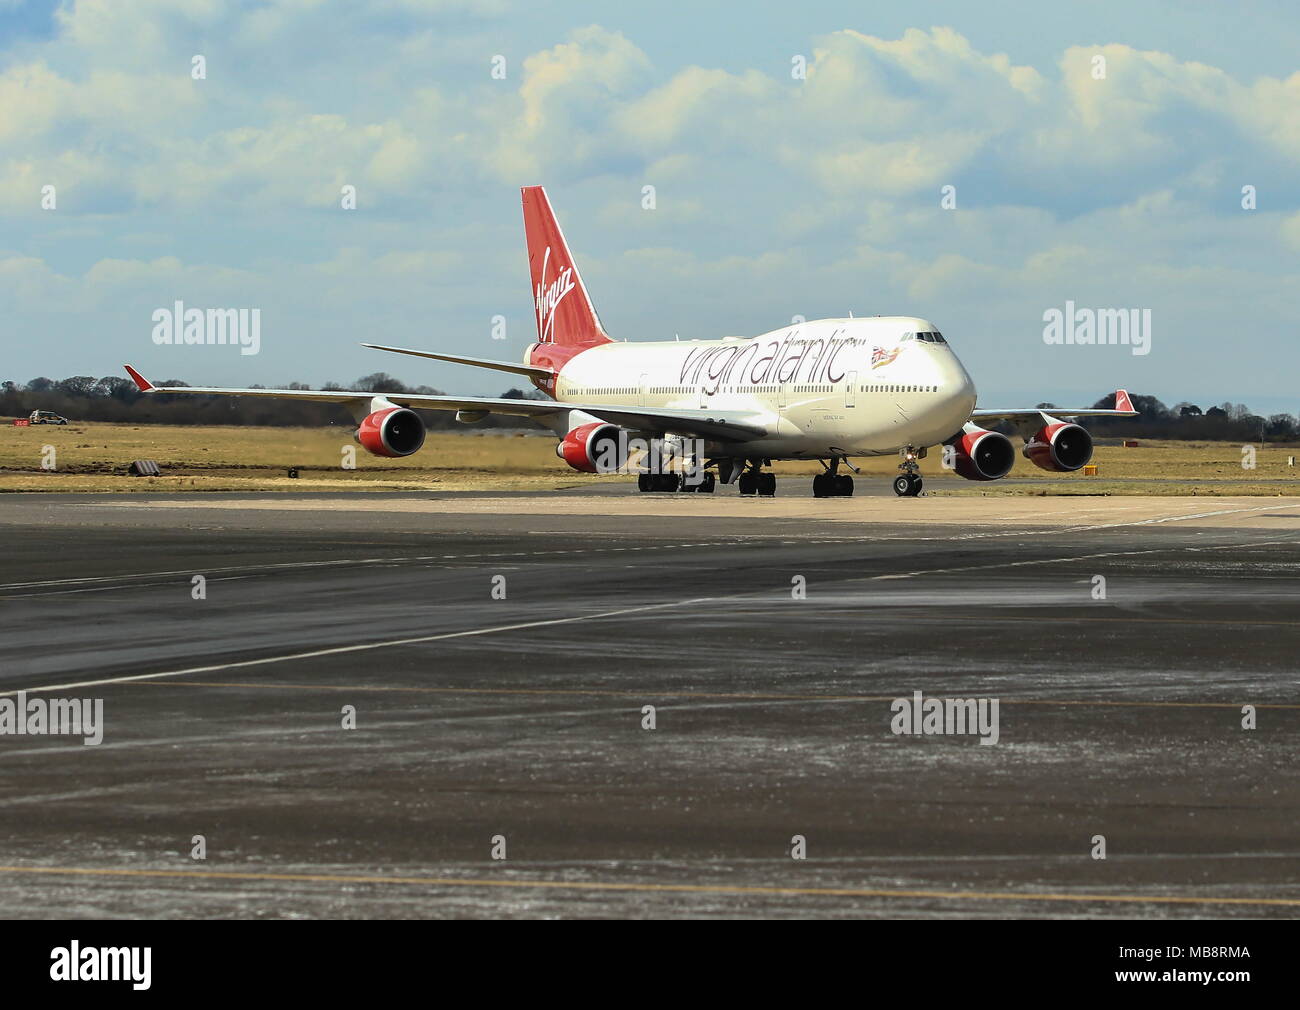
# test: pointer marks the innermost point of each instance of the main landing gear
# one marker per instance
(753, 481)
(672, 482)
(908, 483)
(832, 483)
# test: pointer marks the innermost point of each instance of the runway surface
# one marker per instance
(521, 719)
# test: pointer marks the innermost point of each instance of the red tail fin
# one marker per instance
(565, 315)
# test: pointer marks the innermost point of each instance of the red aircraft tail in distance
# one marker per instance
(565, 315)
(143, 384)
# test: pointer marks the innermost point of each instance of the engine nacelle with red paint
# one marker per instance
(980, 454)
(1060, 446)
(594, 448)
(392, 432)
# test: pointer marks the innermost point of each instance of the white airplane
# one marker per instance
(828, 390)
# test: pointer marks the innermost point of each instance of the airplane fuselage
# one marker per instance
(829, 387)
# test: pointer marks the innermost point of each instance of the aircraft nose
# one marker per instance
(953, 377)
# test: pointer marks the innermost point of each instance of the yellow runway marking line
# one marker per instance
(646, 888)
(705, 695)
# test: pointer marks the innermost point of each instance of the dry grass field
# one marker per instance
(94, 457)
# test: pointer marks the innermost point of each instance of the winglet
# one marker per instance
(145, 385)
(1122, 402)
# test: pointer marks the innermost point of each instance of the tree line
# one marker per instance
(114, 398)
(1224, 422)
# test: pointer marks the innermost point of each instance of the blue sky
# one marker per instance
(775, 196)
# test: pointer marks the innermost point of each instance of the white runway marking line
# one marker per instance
(1050, 561)
(110, 589)
(1005, 564)
(369, 646)
(1091, 529)
(289, 565)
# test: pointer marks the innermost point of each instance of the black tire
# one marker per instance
(917, 484)
(643, 482)
(821, 486)
(843, 486)
(767, 485)
(903, 485)
(748, 484)
(710, 482)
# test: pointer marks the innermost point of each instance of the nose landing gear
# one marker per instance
(908, 483)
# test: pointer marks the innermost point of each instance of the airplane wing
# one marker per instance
(1123, 408)
(460, 359)
(724, 425)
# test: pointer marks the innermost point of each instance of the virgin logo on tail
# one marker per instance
(549, 298)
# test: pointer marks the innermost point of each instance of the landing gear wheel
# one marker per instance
(843, 487)
(657, 482)
(823, 485)
(907, 485)
(748, 484)
(767, 485)
(708, 484)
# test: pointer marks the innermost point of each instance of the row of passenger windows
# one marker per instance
(629, 390)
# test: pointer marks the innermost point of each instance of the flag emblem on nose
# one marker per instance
(880, 356)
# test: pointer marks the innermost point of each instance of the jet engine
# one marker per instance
(1059, 445)
(391, 432)
(980, 454)
(597, 447)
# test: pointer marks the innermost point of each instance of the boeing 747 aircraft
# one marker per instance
(722, 410)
